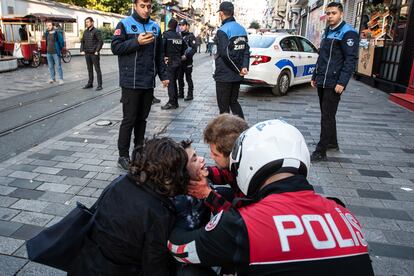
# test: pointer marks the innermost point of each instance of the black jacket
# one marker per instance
(138, 64)
(338, 56)
(255, 239)
(232, 51)
(91, 41)
(130, 234)
(174, 47)
(191, 47)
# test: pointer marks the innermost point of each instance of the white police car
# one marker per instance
(280, 60)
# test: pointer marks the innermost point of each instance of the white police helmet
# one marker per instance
(267, 148)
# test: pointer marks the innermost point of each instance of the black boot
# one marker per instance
(189, 96)
(169, 106)
(318, 156)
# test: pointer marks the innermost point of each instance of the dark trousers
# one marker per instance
(328, 103)
(136, 106)
(93, 60)
(173, 72)
(227, 95)
(186, 70)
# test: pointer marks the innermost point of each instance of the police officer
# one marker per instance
(187, 61)
(174, 50)
(336, 63)
(138, 44)
(232, 60)
(286, 228)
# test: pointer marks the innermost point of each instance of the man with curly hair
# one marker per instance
(135, 216)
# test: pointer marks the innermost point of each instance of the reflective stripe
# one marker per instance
(329, 60)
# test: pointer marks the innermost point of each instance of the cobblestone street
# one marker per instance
(373, 173)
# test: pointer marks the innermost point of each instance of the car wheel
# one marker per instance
(283, 83)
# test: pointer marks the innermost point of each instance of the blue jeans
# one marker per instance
(53, 59)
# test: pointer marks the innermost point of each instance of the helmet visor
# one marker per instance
(236, 154)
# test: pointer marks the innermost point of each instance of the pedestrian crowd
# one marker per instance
(252, 213)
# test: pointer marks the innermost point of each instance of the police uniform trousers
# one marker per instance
(328, 103)
(227, 98)
(136, 106)
(186, 69)
(173, 73)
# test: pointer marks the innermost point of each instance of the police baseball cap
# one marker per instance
(226, 7)
(183, 22)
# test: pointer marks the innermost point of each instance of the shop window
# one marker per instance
(68, 27)
(289, 44)
(107, 25)
(358, 14)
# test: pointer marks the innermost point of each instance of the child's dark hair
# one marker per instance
(336, 5)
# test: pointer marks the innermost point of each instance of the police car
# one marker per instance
(280, 60)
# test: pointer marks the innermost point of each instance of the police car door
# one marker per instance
(309, 56)
(290, 57)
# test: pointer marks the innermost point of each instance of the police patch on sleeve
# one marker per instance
(213, 222)
(350, 42)
(117, 32)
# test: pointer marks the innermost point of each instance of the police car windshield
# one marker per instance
(259, 41)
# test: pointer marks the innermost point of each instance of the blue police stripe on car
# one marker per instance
(305, 70)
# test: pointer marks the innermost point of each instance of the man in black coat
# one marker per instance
(174, 49)
(187, 61)
(91, 44)
(338, 57)
(134, 218)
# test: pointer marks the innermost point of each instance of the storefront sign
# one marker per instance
(313, 4)
(316, 26)
(304, 11)
(366, 60)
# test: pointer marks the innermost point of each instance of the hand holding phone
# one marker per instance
(145, 38)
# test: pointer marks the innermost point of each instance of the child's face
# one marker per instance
(222, 161)
(195, 165)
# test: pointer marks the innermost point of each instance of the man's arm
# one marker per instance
(82, 43)
(222, 42)
(98, 37)
(192, 47)
(223, 242)
(349, 47)
(155, 256)
(120, 44)
(159, 59)
(246, 56)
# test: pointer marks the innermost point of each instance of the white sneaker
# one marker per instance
(50, 81)
(61, 82)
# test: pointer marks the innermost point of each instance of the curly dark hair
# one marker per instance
(161, 162)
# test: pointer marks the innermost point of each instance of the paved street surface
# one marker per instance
(373, 173)
(27, 79)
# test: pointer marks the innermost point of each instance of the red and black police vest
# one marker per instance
(301, 226)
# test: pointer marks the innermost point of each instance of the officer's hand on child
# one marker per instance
(166, 60)
(339, 89)
(165, 83)
(183, 57)
(199, 189)
(145, 38)
(313, 83)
